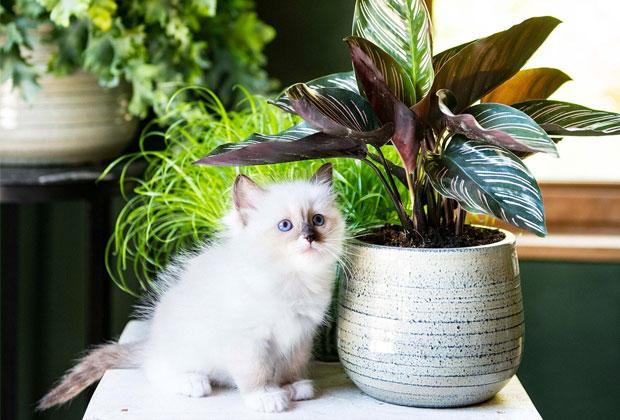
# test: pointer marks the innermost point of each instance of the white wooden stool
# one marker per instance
(125, 394)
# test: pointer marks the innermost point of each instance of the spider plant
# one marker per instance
(176, 205)
(460, 122)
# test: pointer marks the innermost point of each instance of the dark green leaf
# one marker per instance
(22, 75)
(499, 117)
(487, 179)
(482, 65)
(402, 29)
(393, 74)
(344, 80)
(538, 83)
(567, 119)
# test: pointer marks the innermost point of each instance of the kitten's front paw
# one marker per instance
(192, 385)
(269, 400)
(300, 390)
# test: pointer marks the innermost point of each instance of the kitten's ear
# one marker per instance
(323, 175)
(245, 193)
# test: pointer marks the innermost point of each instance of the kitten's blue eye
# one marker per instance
(318, 220)
(285, 225)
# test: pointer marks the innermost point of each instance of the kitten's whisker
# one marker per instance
(343, 260)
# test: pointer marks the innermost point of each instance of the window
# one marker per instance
(585, 46)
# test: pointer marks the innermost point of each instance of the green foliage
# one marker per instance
(15, 35)
(178, 204)
(401, 28)
(497, 124)
(157, 46)
(487, 179)
(454, 154)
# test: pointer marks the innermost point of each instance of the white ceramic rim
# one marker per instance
(509, 240)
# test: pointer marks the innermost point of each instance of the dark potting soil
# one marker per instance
(392, 235)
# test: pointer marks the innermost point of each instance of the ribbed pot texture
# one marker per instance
(432, 327)
(71, 120)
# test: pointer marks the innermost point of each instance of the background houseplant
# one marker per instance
(143, 50)
(453, 157)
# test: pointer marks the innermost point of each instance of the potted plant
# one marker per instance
(76, 76)
(431, 313)
(176, 205)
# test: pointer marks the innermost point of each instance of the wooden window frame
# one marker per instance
(583, 221)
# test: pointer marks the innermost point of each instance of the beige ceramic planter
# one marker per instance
(432, 327)
(72, 120)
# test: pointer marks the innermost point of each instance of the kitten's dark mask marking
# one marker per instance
(310, 233)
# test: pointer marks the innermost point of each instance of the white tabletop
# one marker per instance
(125, 394)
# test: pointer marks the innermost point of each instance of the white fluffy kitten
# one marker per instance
(243, 311)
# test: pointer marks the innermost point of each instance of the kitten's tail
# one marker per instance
(89, 370)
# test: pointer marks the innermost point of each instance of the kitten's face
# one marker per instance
(297, 222)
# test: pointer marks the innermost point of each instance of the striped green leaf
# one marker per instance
(402, 29)
(334, 111)
(293, 133)
(496, 124)
(343, 80)
(515, 123)
(488, 179)
(394, 76)
(567, 119)
(467, 125)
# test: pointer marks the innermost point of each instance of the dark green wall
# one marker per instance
(309, 41)
(572, 339)
(53, 250)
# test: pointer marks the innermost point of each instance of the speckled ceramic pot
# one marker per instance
(432, 327)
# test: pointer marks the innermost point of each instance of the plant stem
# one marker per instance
(434, 212)
(402, 215)
(447, 213)
(460, 221)
(395, 170)
(411, 190)
(390, 177)
(421, 222)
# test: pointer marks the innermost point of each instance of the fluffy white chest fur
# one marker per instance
(228, 303)
(243, 310)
